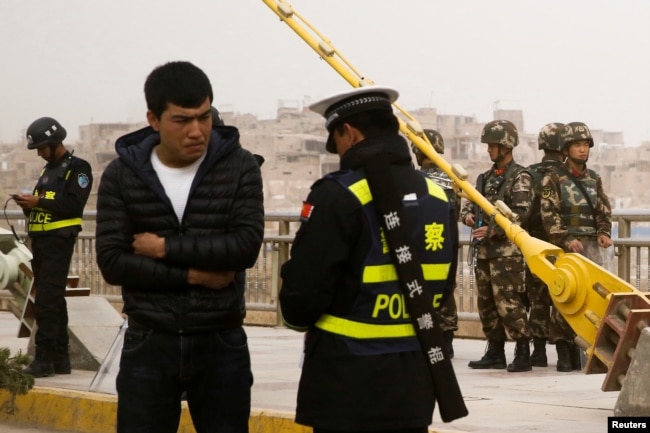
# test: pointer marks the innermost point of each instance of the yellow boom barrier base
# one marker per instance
(626, 316)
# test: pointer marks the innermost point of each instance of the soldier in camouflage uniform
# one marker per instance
(448, 313)
(499, 263)
(578, 218)
(548, 140)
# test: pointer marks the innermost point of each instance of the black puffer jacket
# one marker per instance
(222, 229)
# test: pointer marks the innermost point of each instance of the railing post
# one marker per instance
(280, 255)
(623, 251)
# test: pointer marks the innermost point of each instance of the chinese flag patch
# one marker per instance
(305, 212)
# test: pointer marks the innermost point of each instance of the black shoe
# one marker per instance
(576, 358)
(538, 357)
(522, 357)
(494, 358)
(62, 366)
(61, 360)
(40, 368)
(563, 356)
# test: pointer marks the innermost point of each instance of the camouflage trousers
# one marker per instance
(448, 315)
(502, 298)
(540, 306)
(559, 328)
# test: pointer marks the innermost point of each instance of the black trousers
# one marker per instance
(50, 264)
(214, 368)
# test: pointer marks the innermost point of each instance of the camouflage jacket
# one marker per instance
(518, 195)
(537, 171)
(441, 179)
(566, 213)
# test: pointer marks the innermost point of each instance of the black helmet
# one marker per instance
(45, 130)
(216, 117)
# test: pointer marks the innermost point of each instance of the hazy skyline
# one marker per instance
(574, 60)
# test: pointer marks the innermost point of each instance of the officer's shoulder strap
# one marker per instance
(593, 174)
(334, 176)
(389, 208)
(512, 171)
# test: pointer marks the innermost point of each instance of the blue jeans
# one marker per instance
(213, 369)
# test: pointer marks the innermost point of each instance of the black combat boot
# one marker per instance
(61, 360)
(538, 357)
(41, 366)
(494, 357)
(563, 356)
(522, 357)
(448, 339)
(576, 358)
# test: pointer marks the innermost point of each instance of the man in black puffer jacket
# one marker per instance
(179, 218)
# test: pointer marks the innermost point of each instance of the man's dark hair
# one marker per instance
(180, 83)
(372, 123)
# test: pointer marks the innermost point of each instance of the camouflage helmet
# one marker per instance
(502, 132)
(575, 131)
(549, 137)
(44, 130)
(436, 141)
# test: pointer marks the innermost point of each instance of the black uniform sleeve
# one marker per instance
(77, 190)
(321, 255)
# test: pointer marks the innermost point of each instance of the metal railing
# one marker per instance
(629, 258)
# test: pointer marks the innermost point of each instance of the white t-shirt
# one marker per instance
(176, 181)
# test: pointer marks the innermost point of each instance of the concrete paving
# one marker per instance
(543, 400)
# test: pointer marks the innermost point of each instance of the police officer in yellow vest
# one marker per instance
(55, 211)
(364, 369)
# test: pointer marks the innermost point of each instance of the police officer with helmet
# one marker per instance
(54, 211)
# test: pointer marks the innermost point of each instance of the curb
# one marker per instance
(78, 411)
(83, 412)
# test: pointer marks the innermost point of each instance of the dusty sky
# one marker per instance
(86, 61)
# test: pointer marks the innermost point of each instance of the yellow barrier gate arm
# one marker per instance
(580, 289)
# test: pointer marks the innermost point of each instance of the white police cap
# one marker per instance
(337, 107)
